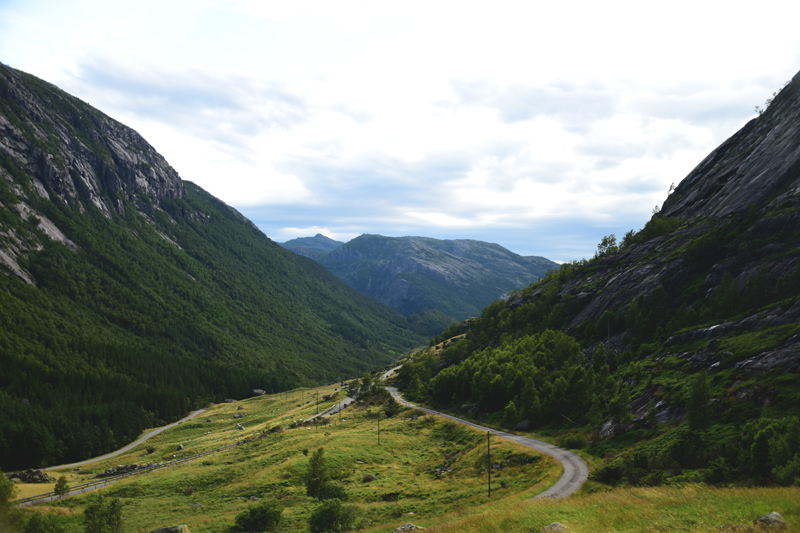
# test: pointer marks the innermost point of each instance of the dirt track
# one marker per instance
(575, 469)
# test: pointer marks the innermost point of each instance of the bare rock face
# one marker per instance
(75, 152)
(71, 154)
(761, 160)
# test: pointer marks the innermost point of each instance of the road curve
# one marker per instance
(133, 444)
(576, 472)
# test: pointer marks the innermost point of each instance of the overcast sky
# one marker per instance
(541, 126)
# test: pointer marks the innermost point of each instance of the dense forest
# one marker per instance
(127, 317)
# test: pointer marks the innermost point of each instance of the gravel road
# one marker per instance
(124, 449)
(575, 470)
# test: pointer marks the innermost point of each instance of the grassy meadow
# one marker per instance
(407, 488)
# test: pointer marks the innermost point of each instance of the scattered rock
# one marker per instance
(258, 392)
(772, 519)
(240, 408)
(239, 427)
(33, 476)
(237, 417)
(183, 528)
(359, 462)
(180, 447)
(407, 527)
(254, 499)
(367, 478)
(196, 506)
(208, 420)
(556, 526)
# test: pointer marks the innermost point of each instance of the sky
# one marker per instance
(540, 126)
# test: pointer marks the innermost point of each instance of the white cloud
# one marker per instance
(501, 121)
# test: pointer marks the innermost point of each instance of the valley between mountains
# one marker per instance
(669, 362)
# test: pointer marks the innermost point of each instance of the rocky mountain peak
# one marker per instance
(759, 165)
(74, 152)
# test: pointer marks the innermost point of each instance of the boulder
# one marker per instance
(240, 408)
(556, 526)
(33, 476)
(367, 478)
(771, 519)
(525, 425)
(407, 527)
(183, 528)
(180, 447)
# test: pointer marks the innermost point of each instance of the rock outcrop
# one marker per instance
(33, 476)
(760, 163)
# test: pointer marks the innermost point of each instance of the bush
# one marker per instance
(331, 490)
(42, 523)
(332, 516)
(101, 516)
(262, 517)
(266, 516)
(61, 487)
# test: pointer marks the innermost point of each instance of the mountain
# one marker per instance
(129, 296)
(444, 279)
(673, 355)
(312, 247)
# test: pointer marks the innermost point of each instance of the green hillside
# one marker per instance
(456, 278)
(673, 355)
(128, 297)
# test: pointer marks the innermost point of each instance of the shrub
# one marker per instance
(61, 487)
(333, 489)
(266, 516)
(333, 516)
(42, 523)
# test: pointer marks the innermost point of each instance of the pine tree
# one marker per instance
(317, 474)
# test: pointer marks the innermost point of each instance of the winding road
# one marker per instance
(576, 472)
(133, 444)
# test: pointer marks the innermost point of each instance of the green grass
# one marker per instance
(271, 466)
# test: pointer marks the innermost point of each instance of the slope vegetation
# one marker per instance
(679, 346)
(128, 296)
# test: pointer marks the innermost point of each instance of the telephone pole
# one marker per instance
(489, 456)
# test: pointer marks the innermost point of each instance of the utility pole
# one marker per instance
(489, 456)
(317, 401)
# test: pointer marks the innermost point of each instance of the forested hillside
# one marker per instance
(128, 296)
(674, 354)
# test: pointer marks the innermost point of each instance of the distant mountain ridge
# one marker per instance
(454, 278)
(313, 247)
